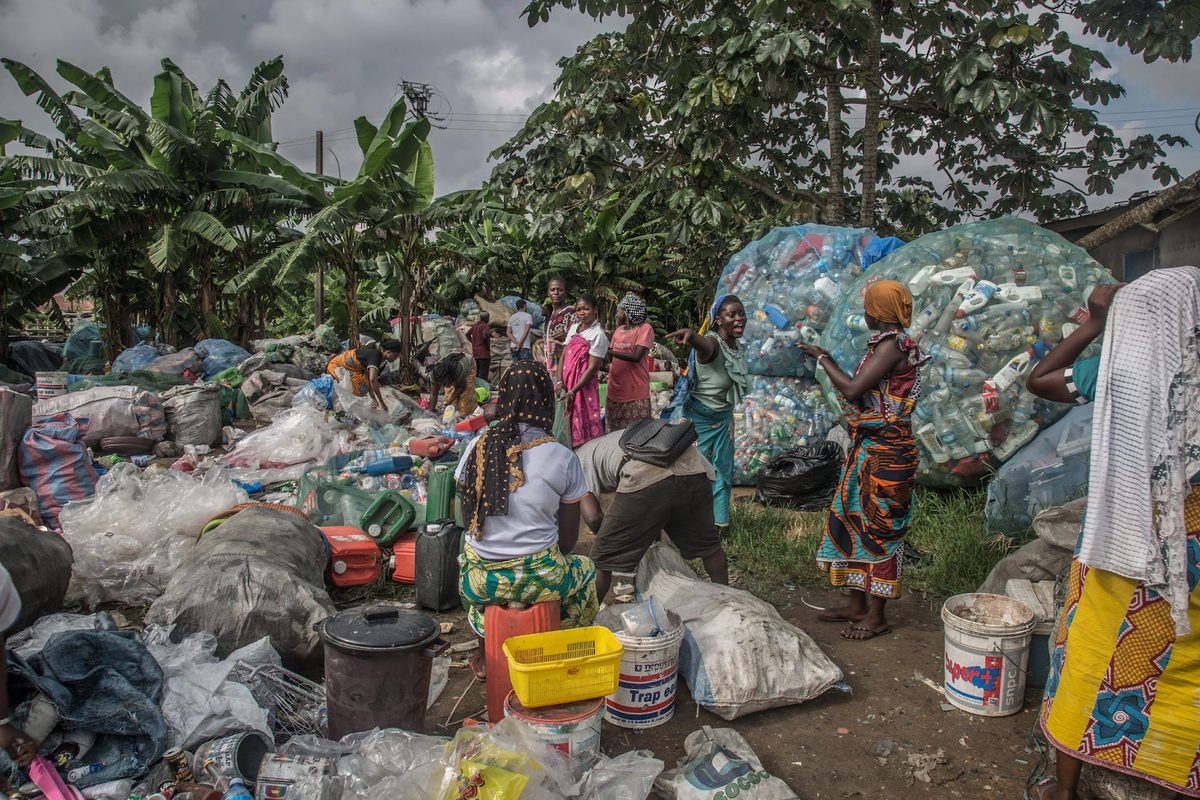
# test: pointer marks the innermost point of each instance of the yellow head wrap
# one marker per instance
(889, 301)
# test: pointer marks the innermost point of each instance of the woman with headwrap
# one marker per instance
(455, 372)
(577, 373)
(863, 544)
(1122, 690)
(629, 376)
(362, 367)
(716, 381)
(520, 492)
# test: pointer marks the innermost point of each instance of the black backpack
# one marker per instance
(657, 441)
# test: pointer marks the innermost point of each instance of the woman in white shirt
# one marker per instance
(586, 348)
(520, 492)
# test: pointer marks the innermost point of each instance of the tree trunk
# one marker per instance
(872, 84)
(1143, 213)
(835, 205)
(169, 296)
(208, 297)
(3, 323)
(350, 292)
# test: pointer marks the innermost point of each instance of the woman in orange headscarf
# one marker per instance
(863, 545)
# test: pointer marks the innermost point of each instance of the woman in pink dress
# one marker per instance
(586, 348)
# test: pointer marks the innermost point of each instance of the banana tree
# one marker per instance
(357, 219)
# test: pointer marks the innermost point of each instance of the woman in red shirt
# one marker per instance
(629, 376)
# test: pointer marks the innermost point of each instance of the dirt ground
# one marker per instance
(831, 746)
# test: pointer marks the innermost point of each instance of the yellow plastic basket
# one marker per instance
(563, 666)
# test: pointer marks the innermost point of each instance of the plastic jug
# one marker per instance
(440, 504)
(384, 466)
(437, 569)
(501, 623)
(979, 297)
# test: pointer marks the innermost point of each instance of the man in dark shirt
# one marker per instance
(480, 335)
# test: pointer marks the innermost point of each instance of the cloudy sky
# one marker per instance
(344, 58)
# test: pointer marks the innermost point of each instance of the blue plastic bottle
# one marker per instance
(385, 466)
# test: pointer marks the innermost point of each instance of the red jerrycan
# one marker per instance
(501, 623)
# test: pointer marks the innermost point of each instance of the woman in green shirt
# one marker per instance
(720, 380)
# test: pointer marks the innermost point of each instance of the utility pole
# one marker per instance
(418, 95)
(319, 277)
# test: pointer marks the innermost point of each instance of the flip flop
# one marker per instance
(863, 630)
(1043, 785)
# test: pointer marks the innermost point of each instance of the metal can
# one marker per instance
(167, 789)
(179, 763)
(140, 461)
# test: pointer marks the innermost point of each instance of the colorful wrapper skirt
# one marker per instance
(343, 365)
(1124, 691)
(619, 416)
(714, 430)
(863, 544)
(537, 578)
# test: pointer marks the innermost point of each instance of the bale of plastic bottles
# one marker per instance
(789, 281)
(989, 300)
(778, 415)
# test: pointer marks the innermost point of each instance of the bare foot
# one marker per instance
(843, 614)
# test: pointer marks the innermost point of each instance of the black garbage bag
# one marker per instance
(804, 479)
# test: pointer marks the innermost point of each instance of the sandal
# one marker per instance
(863, 630)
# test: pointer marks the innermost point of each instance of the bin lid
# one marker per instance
(379, 629)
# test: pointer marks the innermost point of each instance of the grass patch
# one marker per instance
(774, 547)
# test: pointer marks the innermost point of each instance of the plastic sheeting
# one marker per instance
(56, 465)
(39, 563)
(193, 414)
(134, 358)
(989, 299)
(1050, 471)
(218, 355)
(110, 411)
(129, 539)
(259, 573)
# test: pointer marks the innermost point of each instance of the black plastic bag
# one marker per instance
(804, 479)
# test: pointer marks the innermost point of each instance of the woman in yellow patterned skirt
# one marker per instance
(1124, 686)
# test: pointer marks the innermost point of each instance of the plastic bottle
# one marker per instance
(979, 297)
(1011, 293)
(973, 377)
(1003, 341)
(237, 791)
(1016, 369)
(1050, 325)
(954, 276)
(951, 311)
(944, 355)
(927, 436)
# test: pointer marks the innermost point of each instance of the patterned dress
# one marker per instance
(1123, 690)
(863, 545)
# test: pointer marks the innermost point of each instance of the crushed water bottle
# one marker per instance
(789, 281)
(990, 299)
(778, 414)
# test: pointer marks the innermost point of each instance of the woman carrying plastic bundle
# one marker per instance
(629, 376)
(717, 380)
(586, 348)
(520, 492)
(362, 367)
(1122, 688)
(863, 544)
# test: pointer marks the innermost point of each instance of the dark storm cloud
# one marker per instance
(343, 59)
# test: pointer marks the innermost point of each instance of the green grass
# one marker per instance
(775, 547)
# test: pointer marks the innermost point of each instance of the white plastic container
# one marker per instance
(986, 653)
(50, 384)
(649, 677)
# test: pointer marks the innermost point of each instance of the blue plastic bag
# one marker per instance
(318, 393)
(219, 355)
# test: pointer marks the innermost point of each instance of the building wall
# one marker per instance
(1178, 245)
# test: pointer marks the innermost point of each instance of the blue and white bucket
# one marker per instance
(649, 676)
(986, 653)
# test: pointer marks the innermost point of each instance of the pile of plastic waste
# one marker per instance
(779, 414)
(789, 282)
(989, 300)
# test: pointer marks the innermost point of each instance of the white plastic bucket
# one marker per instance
(987, 652)
(571, 728)
(645, 695)
(51, 384)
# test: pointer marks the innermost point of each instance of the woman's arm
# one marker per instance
(705, 346)
(374, 390)
(589, 373)
(589, 507)
(886, 357)
(637, 355)
(568, 526)
(1048, 378)
(435, 391)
